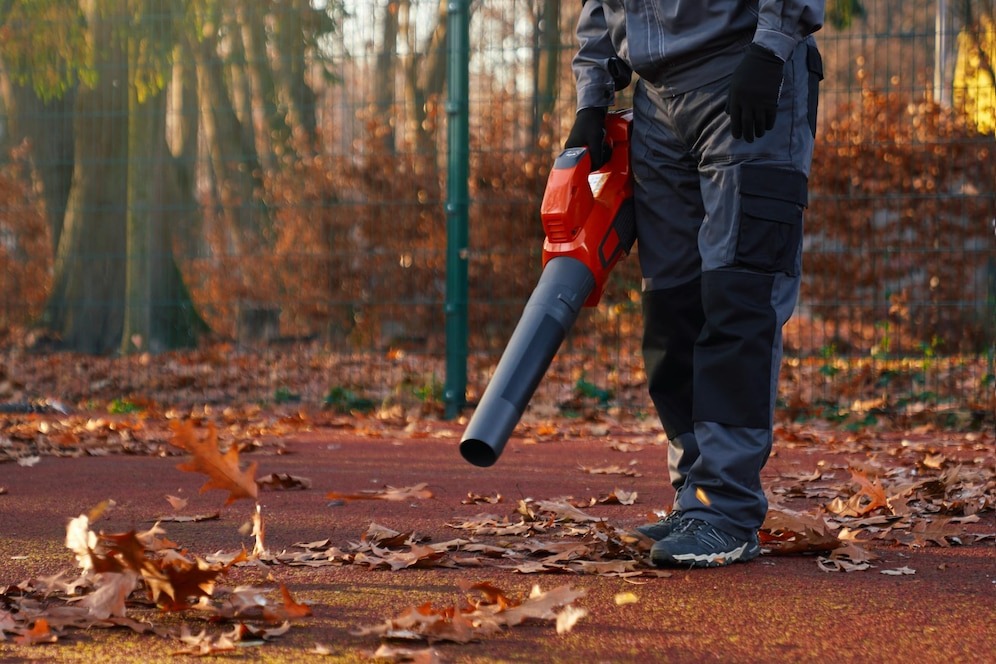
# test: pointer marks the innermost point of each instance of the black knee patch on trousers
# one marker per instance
(672, 320)
(733, 356)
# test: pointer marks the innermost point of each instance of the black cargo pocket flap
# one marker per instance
(770, 209)
(778, 185)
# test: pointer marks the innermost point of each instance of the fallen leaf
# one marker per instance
(259, 533)
(787, 531)
(191, 518)
(202, 644)
(622, 599)
(39, 633)
(840, 565)
(610, 470)
(564, 510)
(284, 482)
(484, 593)
(418, 491)
(605, 567)
(546, 429)
(626, 447)
(619, 497)
(488, 611)
(244, 632)
(541, 605)
(384, 536)
(569, 617)
(289, 610)
(176, 502)
(398, 654)
(477, 499)
(222, 470)
(81, 541)
(320, 649)
(181, 579)
(899, 571)
(869, 496)
(111, 591)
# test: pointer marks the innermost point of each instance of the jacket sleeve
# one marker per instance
(782, 24)
(591, 62)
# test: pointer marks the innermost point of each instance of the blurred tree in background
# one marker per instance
(195, 164)
(117, 177)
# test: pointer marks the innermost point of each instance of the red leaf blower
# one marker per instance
(589, 225)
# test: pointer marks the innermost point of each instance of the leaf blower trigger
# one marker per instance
(589, 225)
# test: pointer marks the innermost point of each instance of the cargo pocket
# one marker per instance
(814, 62)
(772, 201)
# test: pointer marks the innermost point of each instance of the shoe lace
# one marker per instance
(690, 525)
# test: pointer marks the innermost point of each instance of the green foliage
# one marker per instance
(430, 392)
(123, 406)
(842, 13)
(829, 355)
(285, 395)
(43, 45)
(884, 345)
(151, 35)
(587, 390)
(344, 400)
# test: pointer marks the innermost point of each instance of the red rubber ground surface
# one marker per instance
(771, 610)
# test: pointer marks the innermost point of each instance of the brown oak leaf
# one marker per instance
(39, 633)
(222, 469)
(289, 610)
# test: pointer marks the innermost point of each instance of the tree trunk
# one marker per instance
(159, 314)
(547, 67)
(384, 74)
(234, 164)
(237, 65)
(425, 79)
(269, 122)
(182, 140)
(86, 306)
(296, 94)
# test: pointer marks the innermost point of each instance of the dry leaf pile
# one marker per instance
(894, 490)
(486, 610)
(126, 580)
(542, 537)
(146, 432)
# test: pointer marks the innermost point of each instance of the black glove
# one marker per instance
(754, 90)
(589, 132)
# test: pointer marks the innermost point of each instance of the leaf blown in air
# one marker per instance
(222, 469)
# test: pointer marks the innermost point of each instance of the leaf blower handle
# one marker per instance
(588, 220)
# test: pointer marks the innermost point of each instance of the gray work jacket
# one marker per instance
(679, 45)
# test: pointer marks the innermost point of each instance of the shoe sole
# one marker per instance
(742, 554)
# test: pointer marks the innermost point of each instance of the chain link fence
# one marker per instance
(270, 177)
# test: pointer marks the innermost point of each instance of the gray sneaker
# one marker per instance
(662, 528)
(695, 543)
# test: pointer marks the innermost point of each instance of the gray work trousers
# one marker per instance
(719, 232)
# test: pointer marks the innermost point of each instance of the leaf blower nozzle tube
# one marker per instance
(549, 314)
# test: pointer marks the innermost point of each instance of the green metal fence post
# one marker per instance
(458, 138)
